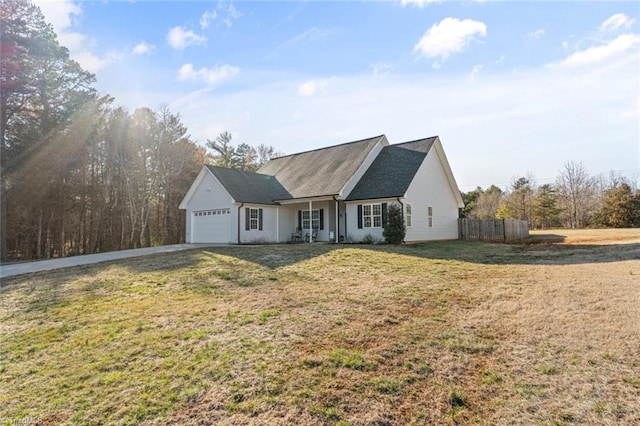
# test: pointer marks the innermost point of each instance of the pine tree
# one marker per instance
(394, 230)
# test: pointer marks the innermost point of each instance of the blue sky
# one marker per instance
(510, 87)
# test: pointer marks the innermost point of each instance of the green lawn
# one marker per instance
(438, 333)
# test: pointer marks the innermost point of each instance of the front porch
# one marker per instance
(312, 220)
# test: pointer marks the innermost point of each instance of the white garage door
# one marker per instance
(211, 226)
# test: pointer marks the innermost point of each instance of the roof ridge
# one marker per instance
(416, 140)
(237, 170)
(331, 146)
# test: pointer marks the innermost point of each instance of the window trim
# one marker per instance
(408, 215)
(310, 220)
(250, 221)
(254, 222)
(371, 217)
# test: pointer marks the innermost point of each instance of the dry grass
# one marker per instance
(583, 236)
(440, 333)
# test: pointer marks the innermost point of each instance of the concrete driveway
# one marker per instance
(12, 269)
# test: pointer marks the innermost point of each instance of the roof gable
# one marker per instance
(322, 171)
(249, 187)
(392, 171)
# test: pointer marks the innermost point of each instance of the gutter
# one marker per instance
(239, 207)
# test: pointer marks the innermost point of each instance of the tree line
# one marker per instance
(79, 174)
(244, 156)
(576, 200)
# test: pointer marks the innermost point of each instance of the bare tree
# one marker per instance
(576, 193)
(487, 204)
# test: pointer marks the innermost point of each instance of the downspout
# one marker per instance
(401, 212)
(337, 238)
(239, 207)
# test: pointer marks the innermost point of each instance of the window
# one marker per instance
(315, 219)
(253, 218)
(408, 215)
(372, 215)
(211, 212)
(430, 217)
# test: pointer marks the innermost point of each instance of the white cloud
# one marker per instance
(311, 35)
(179, 38)
(207, 18)
(225, 13)
(62, 15)
(615, 22)
(211, 76)
(94, 63)
(419, 3)
(381, 69)
(537, 34)
(597, 54)
(231, 12)
(475, 71)
(142, 48)
(312, 87)
(447, 37)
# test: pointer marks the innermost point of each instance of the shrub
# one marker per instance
(394, 230)
(368, 239)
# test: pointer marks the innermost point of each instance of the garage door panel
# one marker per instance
(211, 226)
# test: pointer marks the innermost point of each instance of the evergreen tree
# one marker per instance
(394, 230)
(225, 154)
(470, 199)
(621, 208)
(546, 210)
(247, 157)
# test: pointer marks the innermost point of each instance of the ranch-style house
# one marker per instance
(338, 193)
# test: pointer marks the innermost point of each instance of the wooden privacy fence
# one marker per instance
(493, 229)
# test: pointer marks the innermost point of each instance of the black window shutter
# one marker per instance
(384, 214)
(321, 218)
(247, 218)
(299, 219)
(260, 219)
(359, 216)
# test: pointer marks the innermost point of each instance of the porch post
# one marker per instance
(337, 222)
(278, 224)
(310, 222)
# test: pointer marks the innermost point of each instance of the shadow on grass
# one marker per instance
(546, 239)
(542, 250)
(535, 252)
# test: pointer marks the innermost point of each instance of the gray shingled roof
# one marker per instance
(320, 172)
(248, 187)
(392, 171)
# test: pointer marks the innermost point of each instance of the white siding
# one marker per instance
(287, 222)
(353, 232)
(269, 225)
(209, 194)
(431, 188)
